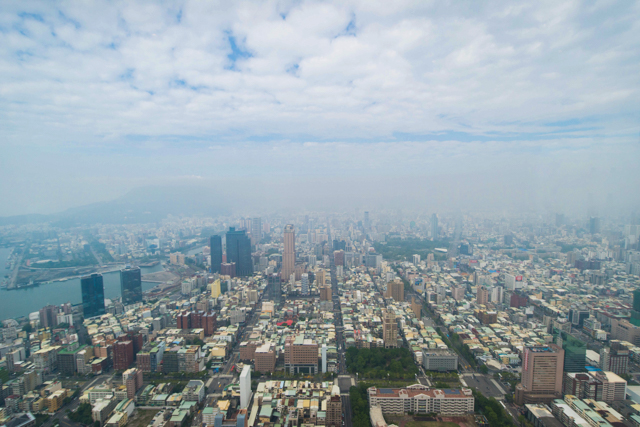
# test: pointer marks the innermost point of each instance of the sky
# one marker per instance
(531, 105)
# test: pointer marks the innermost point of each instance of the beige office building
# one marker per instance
(325, 293)
(265, 358)
(542, 369)
(300, 355)
(483, 295)
(395, 290)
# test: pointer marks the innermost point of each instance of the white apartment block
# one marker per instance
(420, 399)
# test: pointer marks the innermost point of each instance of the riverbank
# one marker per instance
(23, 301)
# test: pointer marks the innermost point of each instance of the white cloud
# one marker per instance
(88, 79)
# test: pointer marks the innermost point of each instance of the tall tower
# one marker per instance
(245, 386)
(92, 295)
(239, 251)
(289, 255)
(434, 226)
(390, 330)
(275, 289)
(216, 253)
(482, 296)
(131, 285)
(256, 231)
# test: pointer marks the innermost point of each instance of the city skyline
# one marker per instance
(320, 213)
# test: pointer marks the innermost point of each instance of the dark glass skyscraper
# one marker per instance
(275, 288)
(575, 351)
(216, 253)
(131, 285)
(239, 251)
(92, 295)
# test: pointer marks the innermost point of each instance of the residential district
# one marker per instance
(329, 320)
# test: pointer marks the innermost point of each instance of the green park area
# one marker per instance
(381, 363)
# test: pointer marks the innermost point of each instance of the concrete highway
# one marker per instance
(485, 384)
(346, 410)
(345, 382)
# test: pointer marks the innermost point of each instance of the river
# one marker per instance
(21, 302)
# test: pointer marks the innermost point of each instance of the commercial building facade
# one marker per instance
(300, 355)
(239, 251)
(439, 360)
(542, 374)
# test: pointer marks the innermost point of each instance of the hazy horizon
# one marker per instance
(530, 106)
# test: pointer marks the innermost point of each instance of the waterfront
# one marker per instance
(4, 253)
(21, 302)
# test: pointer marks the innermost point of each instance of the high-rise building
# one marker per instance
(390, 330)
(334, 411)
(131, 285)
(245, 387)
(122, 355)
(289, 252)
(614, 388)
(300, 355)
(321, 277)
(434, 226)
(575, 351)
(615, 358)
(275, 288)
(132, 379)
(325, 293)
(92, 295)
(483, 295)
(215, 249)
(215, 289)
(304, 282)
(265, 358)
(624, 330)
(373, 260)
(367, 221)
(338, 257)
(395, 290)
(323, 353)
(49, 316)
(542, 370)
(239, 251)
(416, 307)
(256, 231)
(594, 225)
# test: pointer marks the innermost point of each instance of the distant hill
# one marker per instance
(142, 205)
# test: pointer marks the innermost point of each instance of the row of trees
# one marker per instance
(359, 406)
(392, 363)
(493, 410)
(455, 343)
(82, 415)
